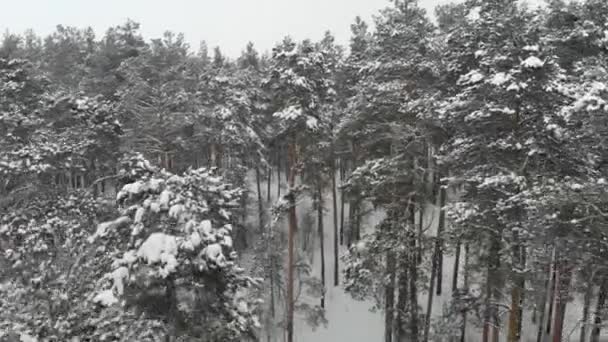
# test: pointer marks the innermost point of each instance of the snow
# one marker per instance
(531, 48)
(500, 78)
(139, 215)
(471, 77)
(130, 189)
(27, 338)
(480, 53)
(213, 252)
(176, 210)
(118, 276)
(105, 298)
(513, 86)
(206, 227)
(533, 62)
(474, 14)
(289, 113)
(312, 122)
(164, 199)
(155, 246)
(102, 228)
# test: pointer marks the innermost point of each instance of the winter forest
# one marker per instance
(441, 178)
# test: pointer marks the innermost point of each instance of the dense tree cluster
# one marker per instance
(128, 168)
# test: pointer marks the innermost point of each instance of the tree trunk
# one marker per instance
(335, 216)
(439, 241)
(456, 266)
(279, 173)
(564, 278)
(429, 303)
(463, 328)
(268, 181)
(543, 300)
(586, 305)
(517, 289)
(402, 300)
(389, 295)
(321, 240)
(293, 227)
(489, 307)
(342, 203)
(599, 310)
(413, 279)
(258, 180)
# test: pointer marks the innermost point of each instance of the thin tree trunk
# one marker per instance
(552, 289)
(456, 266)
(335, 216)
(278, 173)
(490, 290)
(542, 305)
(258, 180)
(599, 310)
(516, 293)
(293, 227)
(321, 240)
(586, 305)
(463, 328)
(342, 203)
(269, 179)
(413, 279)
(565, 277)
(402, 300)
(429, 303)
(389, 295)
(439, 241)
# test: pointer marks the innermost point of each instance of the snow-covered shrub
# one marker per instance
(171, 253)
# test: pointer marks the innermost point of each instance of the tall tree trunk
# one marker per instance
(565, 277)
(389, 297)
(268, 181)
(489, 307)
(463, 327)
(342, 203)
(586, 305)
(402, 300)
(413, 279)
(599, 310)
(456, 266)
(429, 303)
(439, 241)
(541, 305)
(321, 232)
(435, 265)
(258, 180)
(293, 227)
(551, 294)
(516, 292)
(278, 172)
(335, 216)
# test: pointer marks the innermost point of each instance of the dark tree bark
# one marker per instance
(321, 240)
(599, 310)
(463, 328)
(456, 266)
(258, 179)
(586, 305)
(335, 217)
(439, 242)
(293, 227)
(342, 203)
(389, 297)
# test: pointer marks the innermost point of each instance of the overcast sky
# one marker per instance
(227, 23)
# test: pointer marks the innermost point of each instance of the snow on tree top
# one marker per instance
(533, 62)
(473, 76)
(156, 245)
(289, 113)
(105, 298)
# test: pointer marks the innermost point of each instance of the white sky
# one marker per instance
(227, 23)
